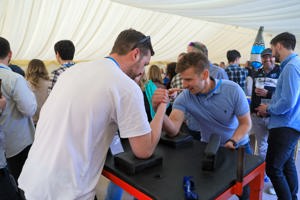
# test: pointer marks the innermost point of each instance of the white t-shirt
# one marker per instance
(87, 105)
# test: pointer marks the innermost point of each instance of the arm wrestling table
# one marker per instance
(165, 182)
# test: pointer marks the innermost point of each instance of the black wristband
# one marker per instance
(233, 142)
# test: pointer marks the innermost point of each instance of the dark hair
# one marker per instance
(65, 49)
(171, 69)
(232, 55)
(4, 48)
(196, 60)
(170, 72)
(286, 39)
(130, 39)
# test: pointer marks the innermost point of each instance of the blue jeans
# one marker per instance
(280, 164)
(114, 192)
(260, 129)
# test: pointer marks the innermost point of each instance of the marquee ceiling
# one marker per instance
(33, 26)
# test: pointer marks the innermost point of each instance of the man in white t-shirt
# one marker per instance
(89, 103)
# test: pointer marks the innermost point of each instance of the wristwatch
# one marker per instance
(233, 142)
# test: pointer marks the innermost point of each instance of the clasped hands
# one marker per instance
(163, 96)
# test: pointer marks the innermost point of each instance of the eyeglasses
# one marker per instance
(147, 41)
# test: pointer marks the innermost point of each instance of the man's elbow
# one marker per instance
(144, 154)
(172, 134)
(30, 111)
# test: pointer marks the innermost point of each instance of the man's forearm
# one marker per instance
(240, 132)
(169, 127)
(157, 123)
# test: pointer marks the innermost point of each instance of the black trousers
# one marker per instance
(15, 163)
(8, 188)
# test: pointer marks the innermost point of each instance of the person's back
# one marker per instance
(64, 52)
(95, 127)
(38, 79)
(234, 71)
(9, 190)
(16, 119)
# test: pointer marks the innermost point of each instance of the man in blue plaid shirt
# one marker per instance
(64, 51)
(234, 71)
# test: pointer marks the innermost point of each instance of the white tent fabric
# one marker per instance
(33, 26)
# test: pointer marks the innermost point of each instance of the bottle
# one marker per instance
(257, 48)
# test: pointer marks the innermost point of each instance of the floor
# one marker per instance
(101, 190)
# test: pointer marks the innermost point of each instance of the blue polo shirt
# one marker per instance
(217, 111)
(285, 103)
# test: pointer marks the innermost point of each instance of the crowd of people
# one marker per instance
(56, 128)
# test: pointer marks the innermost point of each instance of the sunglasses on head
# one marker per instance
(147, 41)
(193, 44)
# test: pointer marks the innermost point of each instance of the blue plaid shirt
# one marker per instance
(56, 73)
(237, 74)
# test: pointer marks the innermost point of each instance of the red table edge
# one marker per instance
(128, 188)
(255, 179)
(256, 182)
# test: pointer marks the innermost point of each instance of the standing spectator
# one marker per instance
(7, 184)
(284, 124)
(38, 78)
(154, 82)
(154, 74)
(222, 64)
(84, 120)
(265, 80)
(214, 71)
(249, 68)
(234, 71)
(176, 81)
(170, 73)
(64, 52)
(15, 120)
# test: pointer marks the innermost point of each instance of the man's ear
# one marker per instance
(10, 55)
(136, 53)
(205, 74)
(58, 58)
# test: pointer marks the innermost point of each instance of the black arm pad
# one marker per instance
(210, 153)
(213, 145)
